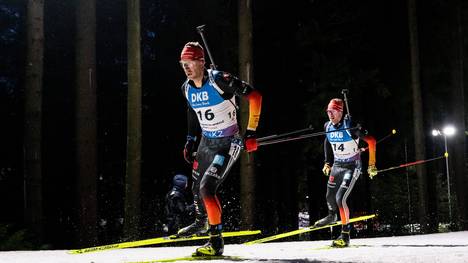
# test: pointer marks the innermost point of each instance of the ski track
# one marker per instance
(443, 247)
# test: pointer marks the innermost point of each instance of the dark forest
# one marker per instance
(305, 53)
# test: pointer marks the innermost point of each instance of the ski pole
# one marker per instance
(200, 30)
(345, 92)
(384, 138)
(388, 135)
(275, 136)
(300, 137)
(412, 163)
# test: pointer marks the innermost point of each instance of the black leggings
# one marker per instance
(343, 175)
(214, 159)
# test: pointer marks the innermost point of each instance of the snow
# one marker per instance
(443, 247)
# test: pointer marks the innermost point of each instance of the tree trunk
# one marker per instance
(418, 126)
(247, 160)
(458, 158)
(132, 183)
(86, 118)
(33, 211)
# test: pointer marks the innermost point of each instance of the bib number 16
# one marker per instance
(209, 115)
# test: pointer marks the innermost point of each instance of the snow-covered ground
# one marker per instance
(443, 247)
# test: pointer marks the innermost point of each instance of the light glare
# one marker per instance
(449, 130)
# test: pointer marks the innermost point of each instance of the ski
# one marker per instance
(194, 258)
(305, 230)
(158, 240)
(332, 247)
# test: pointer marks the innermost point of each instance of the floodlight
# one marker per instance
(449, 130)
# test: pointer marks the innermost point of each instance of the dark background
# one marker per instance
(305, 53)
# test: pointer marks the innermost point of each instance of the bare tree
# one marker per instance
(86, 118)
(33, 209)
(458, 112)
(247, 166)
(420, 149)
(133, 176)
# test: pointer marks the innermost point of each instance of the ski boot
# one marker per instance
(215, 246)
(330, 218)
(342, 240)
(199, 227)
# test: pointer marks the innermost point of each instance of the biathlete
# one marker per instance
(343, 145)
(212, 122)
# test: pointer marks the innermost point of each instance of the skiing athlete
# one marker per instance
(212, 122)
(342, 148)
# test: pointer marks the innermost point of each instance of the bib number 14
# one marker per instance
(339, 147)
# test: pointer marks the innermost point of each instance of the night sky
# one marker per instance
(305, 53)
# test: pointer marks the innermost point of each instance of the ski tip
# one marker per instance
(93, 249)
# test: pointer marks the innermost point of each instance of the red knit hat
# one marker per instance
(335, 104)
(192, 51)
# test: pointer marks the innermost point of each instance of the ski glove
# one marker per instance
(250, 141)
(189, 149)
(372, 171)
(326, 169)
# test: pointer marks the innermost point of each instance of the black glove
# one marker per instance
(250, 141)
(189, 149)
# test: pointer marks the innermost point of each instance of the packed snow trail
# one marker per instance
(443, 247)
